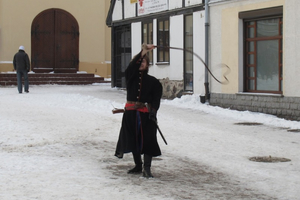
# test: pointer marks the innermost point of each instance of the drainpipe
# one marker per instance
(206, 84)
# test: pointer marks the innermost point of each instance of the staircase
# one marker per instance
(7, 79)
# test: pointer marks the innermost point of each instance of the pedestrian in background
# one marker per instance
(138, 131)
(22, 66)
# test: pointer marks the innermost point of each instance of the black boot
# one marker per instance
(138, 165)
(147, 166)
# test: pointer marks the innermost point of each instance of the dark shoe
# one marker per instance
(138, 164)
(136, 170)
(27, 91)
(147, 173)
(147, 166)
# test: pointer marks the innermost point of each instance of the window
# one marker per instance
(163, 54)
(188, 57)
(263, 55)
(263, 30)
(122, 54)
(147, 33)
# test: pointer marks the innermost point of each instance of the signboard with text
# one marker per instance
(152, 6)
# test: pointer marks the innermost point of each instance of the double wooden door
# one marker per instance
(54, 42)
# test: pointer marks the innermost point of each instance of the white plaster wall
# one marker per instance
(192, 2)
(129, 9)
(176, 40)
(117, 13)
(173, 4)
(199, 49)
(136, 38)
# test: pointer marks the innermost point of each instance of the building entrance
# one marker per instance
(55, 42)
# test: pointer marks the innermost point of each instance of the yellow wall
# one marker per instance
(101, 69)
(16, 17)
(230, 38)
(6, 67)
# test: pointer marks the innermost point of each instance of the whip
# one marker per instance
(187, 50)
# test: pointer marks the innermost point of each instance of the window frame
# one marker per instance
(187, 54)
(165, 42)
(149, 37)
(254, 17)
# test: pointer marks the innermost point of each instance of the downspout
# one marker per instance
(109, 23)
(206, 84)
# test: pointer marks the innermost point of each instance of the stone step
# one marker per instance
(7, 79)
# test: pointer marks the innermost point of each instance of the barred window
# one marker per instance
(188, 57)
(163, 54)
(147, 37)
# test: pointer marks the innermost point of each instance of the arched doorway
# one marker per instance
(55, 42)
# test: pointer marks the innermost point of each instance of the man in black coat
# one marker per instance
(22, 66)
(138, 131)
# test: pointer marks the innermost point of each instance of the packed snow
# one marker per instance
(58, 142)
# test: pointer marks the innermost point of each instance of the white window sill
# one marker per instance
(259, 94)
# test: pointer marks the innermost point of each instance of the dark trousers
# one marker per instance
(147, 161)
(138, 160)
(20, 74)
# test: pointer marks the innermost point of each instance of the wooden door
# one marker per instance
(42, 42)
(55, 42)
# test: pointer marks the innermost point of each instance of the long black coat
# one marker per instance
(144, 88)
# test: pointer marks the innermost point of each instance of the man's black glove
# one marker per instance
(152, 115)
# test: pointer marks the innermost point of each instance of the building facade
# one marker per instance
(167, 24)
(258, 40)
(59, 36)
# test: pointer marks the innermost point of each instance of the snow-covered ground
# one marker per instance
(58, 142)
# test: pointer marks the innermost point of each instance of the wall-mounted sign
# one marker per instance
(133, 1)
(152, 6)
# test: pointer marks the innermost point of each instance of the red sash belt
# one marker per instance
(132, 106)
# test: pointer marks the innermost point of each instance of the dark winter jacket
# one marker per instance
(21, 61)
(135, 137)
